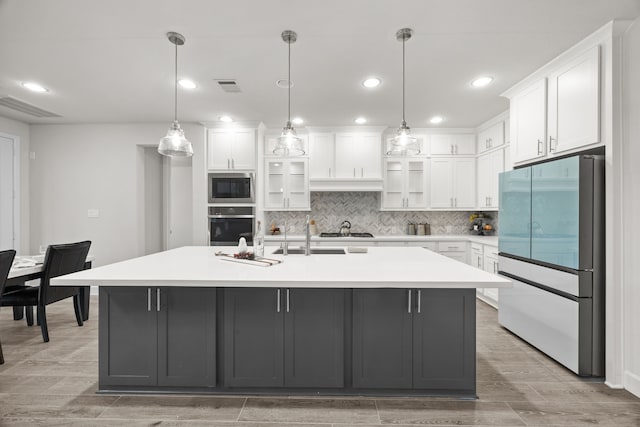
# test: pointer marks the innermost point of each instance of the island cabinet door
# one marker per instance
(314, 337)
(127, 337)
(382, 324)
(253, 337)
(186, 336)
(444, 346)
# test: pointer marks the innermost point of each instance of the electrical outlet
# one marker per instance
(292, 229)
(93, 213)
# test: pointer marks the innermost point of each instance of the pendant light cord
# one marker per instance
(289, 82)
(403, 40)
(175, 81)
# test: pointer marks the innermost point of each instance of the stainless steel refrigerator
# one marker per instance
(551, 245)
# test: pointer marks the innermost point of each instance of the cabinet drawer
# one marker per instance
(452, 246)
(476, 248)
(491, 250)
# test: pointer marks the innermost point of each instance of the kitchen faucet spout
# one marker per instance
(307, 248)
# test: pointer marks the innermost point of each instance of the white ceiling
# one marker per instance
(110, 61)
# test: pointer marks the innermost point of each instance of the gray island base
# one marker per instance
(392, 322)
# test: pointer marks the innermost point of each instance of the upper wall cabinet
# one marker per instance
(231, 149)
(405, 183)
(574, 103)
(452, 183)
(453, 144)
(560, 112)
(345, 161)
(491, 137)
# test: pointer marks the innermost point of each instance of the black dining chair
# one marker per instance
(58, 260)
(6, 259)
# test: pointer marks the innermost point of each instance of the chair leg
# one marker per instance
(77, 307)
(1, 355)
(29, 312)
(43, 322)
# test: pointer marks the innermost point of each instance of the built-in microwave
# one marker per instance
(231, 188)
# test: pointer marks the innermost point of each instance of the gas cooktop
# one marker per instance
(349, 235)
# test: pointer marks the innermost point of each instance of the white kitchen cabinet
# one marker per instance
(491, 137)
(528, 116)
(489, 166)
(358, 155)
(405, 183)
(287, 184)
(453, 249)
(453, 183)
(322, 156)
(574, 107)
(452, 144)
(490, 265)
(476, 256)
(231, 149)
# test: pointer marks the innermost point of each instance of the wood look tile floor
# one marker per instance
(55, 383)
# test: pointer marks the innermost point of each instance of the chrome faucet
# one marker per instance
(307, 248)
(285, 244)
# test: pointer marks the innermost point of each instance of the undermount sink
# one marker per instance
(314, 251)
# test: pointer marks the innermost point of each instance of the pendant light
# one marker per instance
(288, 142)
(175, 144)
(403, 143)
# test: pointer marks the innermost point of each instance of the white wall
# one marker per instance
(95, 166)
(631, 207)
(21, 130)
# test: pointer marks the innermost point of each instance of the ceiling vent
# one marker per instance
(23, 107)
(228, 85)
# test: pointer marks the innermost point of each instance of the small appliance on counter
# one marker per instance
(418, 229)
(481, 224)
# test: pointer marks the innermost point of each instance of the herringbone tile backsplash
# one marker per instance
(329, 209)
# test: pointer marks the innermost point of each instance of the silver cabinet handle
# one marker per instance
(490, 200)
(329, 171)
(287, 300)
(419, 300)
(228, 164)
(277, 300)
(157, 299)
(452, 202)
(551, 147)
(409, 302)
(479, 262)
(362, 172)
(495, 267)
(148, 299)
(455, 201)
(539, 147)
(451, 148)
(486, 143)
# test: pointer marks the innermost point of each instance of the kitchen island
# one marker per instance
(393, 321)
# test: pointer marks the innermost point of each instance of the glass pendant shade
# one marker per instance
(403, 143)
(174, 144)
(289, 144)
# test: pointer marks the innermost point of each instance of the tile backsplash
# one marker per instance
(362, 209)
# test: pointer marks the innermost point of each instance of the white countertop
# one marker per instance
(486, 240)
(381, 267)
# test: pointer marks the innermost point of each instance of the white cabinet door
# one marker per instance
(489, 166)
(491, 266)
(528, 114)
(287, 184)
(574, 103)
(464, 179)
(243, 149)
(452, 144)
(441, 183)
(404, 184)
(231, 149)
(321, 156)
(491, 137)
(358, 155)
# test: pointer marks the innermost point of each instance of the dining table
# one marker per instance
(26, 268)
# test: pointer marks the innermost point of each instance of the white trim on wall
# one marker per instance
(16, 189)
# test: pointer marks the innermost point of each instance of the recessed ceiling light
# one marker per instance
(225, 119)
(436, 119)
(187, 84)
(284, 83)
(482, 81)
(360, 120)
(297, 121)
(371, 82)
(34, 87)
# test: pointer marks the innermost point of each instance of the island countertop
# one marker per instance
(197, 266)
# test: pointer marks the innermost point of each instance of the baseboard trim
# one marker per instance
(632, 383)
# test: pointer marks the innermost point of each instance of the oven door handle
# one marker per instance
(232, 216)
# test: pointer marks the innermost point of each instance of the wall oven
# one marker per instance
(231, 188)
(228, 224)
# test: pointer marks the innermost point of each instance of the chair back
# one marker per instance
(6, 259)
(60, 260)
